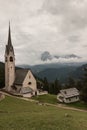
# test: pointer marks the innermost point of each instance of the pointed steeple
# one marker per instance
(9, 37)
(9, 47)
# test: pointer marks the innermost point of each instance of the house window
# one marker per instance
(29, 83)
(11, 58)
(69, 99)
(76, 97)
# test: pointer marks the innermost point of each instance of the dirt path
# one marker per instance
(66, 107)
(47, 104)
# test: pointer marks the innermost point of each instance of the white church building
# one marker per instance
(19, 81)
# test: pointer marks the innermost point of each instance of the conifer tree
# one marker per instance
(57, 86)
(70, 83)
(46, 84)
(84, 88)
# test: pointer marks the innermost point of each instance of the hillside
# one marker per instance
(2, 77)
(61, 73)
(17, 114)
(52, 71)
(42, 67)
(78, 73)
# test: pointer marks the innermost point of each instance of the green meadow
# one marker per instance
(17, 114)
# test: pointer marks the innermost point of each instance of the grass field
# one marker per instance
(79, 105)
(48, 98)
(53, 100)
(17, 114)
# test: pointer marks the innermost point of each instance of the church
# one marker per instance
(18, 81)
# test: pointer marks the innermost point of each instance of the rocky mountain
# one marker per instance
(47, 56)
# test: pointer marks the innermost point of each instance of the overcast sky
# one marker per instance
(57, 26)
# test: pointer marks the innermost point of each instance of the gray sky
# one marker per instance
(57, 26)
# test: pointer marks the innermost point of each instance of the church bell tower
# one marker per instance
(9, 63)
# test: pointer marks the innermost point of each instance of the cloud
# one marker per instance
(57, 26)
(72, 11)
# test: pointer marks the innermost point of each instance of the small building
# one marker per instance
(68, 95)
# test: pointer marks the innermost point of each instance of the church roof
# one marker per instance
(9, 46)
(20, 76)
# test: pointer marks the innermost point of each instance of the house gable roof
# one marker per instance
(71, 92)
(20, 76)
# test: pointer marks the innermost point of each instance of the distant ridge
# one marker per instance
(53, 71)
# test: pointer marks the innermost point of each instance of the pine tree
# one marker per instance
(57, 87)
(51, 88)
(70, 83)
(46, 84)
(84, 88)
(2, 78)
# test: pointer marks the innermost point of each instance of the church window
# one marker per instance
(6, 59)
(29, 76)
(29, 83)
(11, 58)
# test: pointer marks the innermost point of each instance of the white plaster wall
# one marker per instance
(30, 78)
(73, 99)
(28, 95)
(59, 97)
(42, 93)
(6, 75)
(9, 72)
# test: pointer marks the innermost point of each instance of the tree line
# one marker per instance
(56, 86)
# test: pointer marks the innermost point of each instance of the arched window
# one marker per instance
(11, 58)
(29, 83)
(5, 59)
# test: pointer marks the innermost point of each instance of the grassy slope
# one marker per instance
(80, 105)
(16, 114)
(53, 100)
(48, 98)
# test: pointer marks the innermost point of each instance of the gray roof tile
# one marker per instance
(71, 92)
(20, 76)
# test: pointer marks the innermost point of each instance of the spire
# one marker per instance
(9, 47)
(9, 36)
